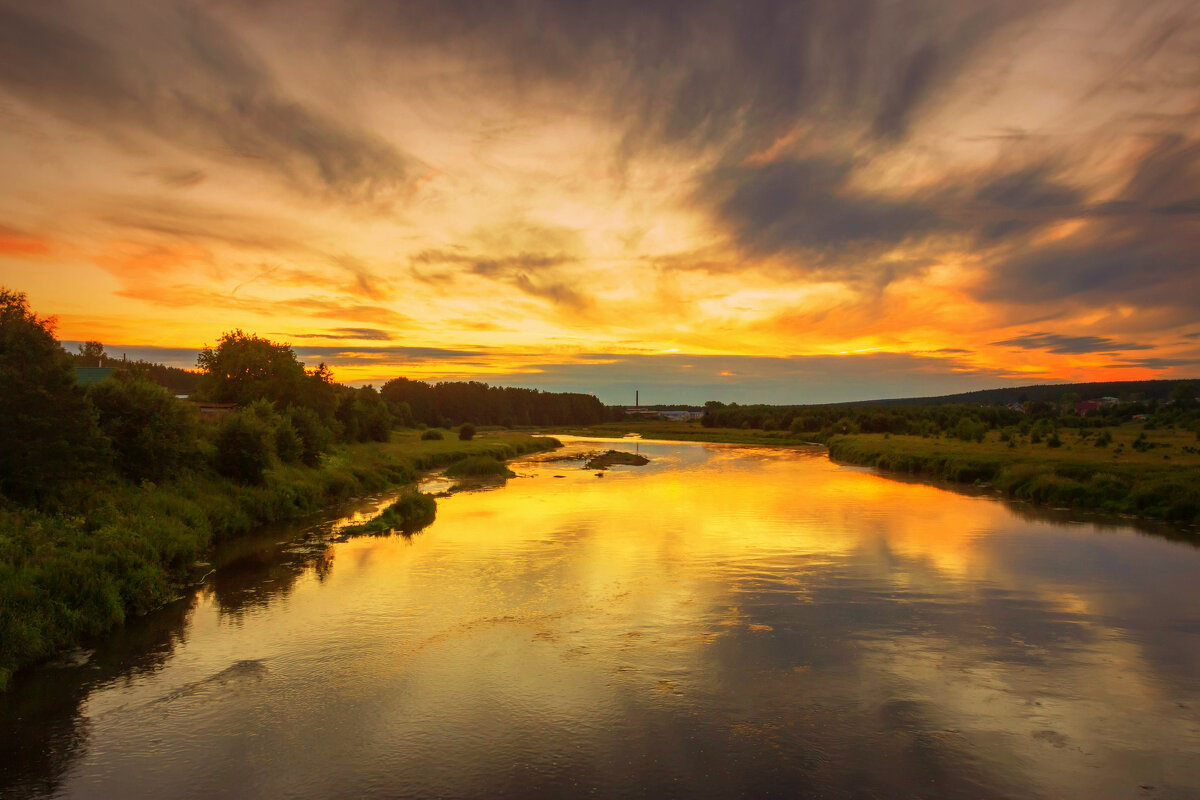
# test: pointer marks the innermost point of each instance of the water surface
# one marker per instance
(726, 621)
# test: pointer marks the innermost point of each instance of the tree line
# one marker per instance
(454, 402)
(960, 420)
(176, 380)
(53, 430)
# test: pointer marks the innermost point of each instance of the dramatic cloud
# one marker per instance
(1069, 344)
(800, 199)
(169, 71)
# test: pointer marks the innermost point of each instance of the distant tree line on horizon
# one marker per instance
(454, 402)
(969, 422)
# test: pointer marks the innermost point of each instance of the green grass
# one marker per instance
(479, 467)
(1158, 479)
(1116, 478)
(117, 549)
(411, 512)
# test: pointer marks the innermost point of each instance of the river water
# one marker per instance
(724, 622)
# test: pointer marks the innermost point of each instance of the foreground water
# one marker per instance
(724, 622)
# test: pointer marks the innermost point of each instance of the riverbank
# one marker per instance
(118, 549)
(1159, 482)
(1151, 473)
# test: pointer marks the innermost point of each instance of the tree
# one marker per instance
(48, 430)
(152, 433)
(92, 351)
(1184, 395)
(245, 447)
(467, 432)
(244, 368)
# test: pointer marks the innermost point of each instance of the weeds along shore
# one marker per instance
(119, 549)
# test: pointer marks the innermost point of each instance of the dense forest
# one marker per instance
(452, 403)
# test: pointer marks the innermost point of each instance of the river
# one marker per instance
(725, 621)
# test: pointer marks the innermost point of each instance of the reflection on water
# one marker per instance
(725, 621)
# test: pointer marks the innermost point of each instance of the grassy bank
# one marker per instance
(124, 549)
(1154, 474)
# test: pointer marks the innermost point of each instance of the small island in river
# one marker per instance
(614, 457)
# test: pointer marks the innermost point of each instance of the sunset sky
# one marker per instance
(759, 201)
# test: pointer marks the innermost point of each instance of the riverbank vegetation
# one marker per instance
(408, 514)
(611, 458)
(479, 467)
(1134, 457)
(110, 494)
(1127, 470)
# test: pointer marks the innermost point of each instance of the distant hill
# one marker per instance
(1051, 392)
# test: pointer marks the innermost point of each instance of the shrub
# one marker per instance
(151, 432)
(245, 444)
(315, 438)
(48, 431)
(288, 445)
(467, 432)
(432, 435)
(969, 430)
(411, 512)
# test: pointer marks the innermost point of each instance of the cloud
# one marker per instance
(806, 205)
(1154, 363)
(18, 244)
(196, 296)
(169, 72)
(368, 334)
(756, 379)
(1069, 345)
(530, 273)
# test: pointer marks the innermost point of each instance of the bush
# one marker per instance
(467, 432)
(245, 445)
(969, 430)
(432, 435)
(288, 445)
(411, 512)
(315, 437)
(151, 432)
(48, 430)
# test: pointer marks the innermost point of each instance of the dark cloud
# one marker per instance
(1139, 248)
(1154, 363)
(806, 205)
(1069, 345)
(369, 334)
(169, 71)
(396, 355)
(491, 266)
(1028, 189)
(694, 72)
(183, 178)
(531, 273)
